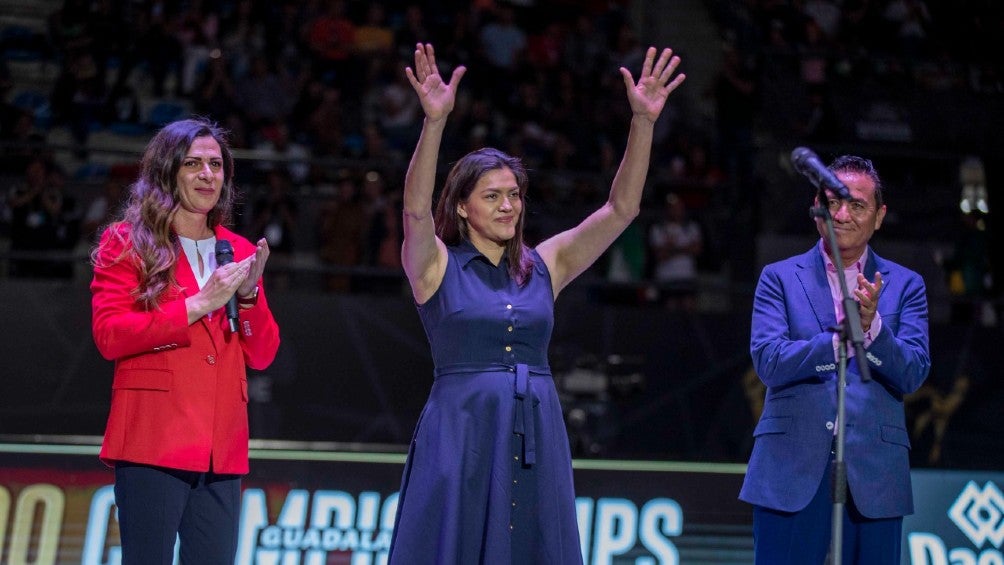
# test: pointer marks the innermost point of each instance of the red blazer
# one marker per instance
(179, 395)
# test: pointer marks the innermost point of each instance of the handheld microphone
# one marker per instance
(224, 255)
(807, 163)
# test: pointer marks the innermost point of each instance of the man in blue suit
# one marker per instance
(794, 350)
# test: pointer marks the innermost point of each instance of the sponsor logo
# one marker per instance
(979, 513)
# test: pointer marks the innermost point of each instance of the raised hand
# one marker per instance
(220, 286)
(257, 262)
(436, 96)
(648, 96)
(868, 296)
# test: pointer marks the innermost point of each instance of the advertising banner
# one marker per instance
(322, 507)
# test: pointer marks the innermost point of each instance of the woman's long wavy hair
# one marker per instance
(154, 201)
(452, 228)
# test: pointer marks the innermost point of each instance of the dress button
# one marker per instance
(508, 306)
(509, 329)
(829, 425)
(508, 348)
(211, 359)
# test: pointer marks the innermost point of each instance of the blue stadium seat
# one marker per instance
(164, 112)
(21, 43)
(36, 103)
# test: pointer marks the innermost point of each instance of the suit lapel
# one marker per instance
(874, 264)
(812, 274)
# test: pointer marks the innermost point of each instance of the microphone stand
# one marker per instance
(847, 330)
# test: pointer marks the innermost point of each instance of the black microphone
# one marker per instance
(224, 255)
(807, 163)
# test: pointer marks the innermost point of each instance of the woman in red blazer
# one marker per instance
(177, 434)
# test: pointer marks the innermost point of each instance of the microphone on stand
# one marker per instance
(807, 163)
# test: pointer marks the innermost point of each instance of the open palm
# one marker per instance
(648, 96)
(436, 96)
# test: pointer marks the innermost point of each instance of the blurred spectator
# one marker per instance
(331, 38)
(157, 45)
(381, 233)
(18, 138)
(241, 36)
(274, 217)
(502, 46)
(585, 52)
(264, 95)
(626, 261)
(198, 37)
(412, 32)
(374, 38)
(324, 119)
(215, 96)
(820, 123)
(398, 111)
(43, 219)
(78, 93)
(538, 144)
(676, 242)
(103, 208)
(910, 20)
(461, 46)
(736, 102)
(122, 106)
(342, 225)
(813, 52)
(21, 142)
(826, 14)
(277, 151)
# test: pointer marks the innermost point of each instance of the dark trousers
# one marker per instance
(803, 537)
(157, 505)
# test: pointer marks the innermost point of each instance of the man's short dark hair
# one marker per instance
(860, 165)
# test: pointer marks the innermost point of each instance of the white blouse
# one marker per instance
(205, 248)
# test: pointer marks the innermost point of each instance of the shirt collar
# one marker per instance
(858, 265)
(466, 252)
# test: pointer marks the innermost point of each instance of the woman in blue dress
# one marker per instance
(489, 477)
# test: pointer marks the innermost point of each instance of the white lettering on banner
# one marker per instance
(311, 525)
(617, 530)
(337, 523)
(661, 518)
(929, 549)
(36, 526)
(308, 527)
(96, 536)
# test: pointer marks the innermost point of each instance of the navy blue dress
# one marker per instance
(488, 477)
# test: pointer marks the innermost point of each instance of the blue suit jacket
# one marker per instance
(792, 351)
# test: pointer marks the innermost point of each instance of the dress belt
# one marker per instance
(523, 420)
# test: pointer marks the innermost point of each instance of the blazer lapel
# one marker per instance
(812, 274)
(186, 279)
